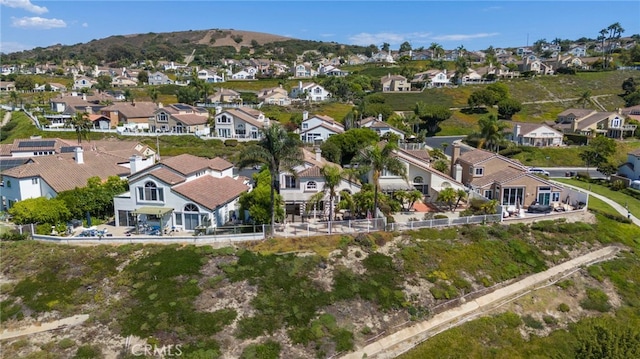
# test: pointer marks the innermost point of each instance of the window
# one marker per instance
(311, 185)
(555, 197)
(191, 216)
(150, 192)
(418, 179)
(162, 117)
(488, 194)
(34, 180)
(512, 196)
(479, 171)
(9, 184)
(290, 182)
(224, 119)
(305, 125)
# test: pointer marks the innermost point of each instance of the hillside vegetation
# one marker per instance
(302, 297)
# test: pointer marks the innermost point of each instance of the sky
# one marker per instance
(476, 25)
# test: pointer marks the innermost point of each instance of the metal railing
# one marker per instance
(444, 222)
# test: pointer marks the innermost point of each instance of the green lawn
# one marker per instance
(619, 197)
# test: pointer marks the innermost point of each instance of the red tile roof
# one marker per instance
(211, 192)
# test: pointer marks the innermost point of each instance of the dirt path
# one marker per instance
(45, 327)
(404, 340)
(7, 118)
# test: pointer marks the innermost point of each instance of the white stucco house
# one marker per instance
(534, 134)
(241, 123)
(382, 128)
(318, 128)
(297, 190)
(184, 192)
(631, 168)
(310, 91)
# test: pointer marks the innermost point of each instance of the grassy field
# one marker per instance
(619, 197)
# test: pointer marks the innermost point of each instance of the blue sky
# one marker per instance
(476, 25)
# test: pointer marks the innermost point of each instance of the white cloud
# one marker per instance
(24, 4)
(37, 23)
(84, 24)
(9, 47)
(464, 37)
(327, 35)
(365, 38)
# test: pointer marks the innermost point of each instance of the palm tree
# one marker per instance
(436, 50)
(585, 98)
(461, 194)
(81, 124)
(491, 132)
(276, 150)
(448, 196)
(378, 159)
(332, 177)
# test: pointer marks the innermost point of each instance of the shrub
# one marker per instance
(612, 216)
(231, 143)
(267, 350)
(596, 300)
(618, 185)
(563, 307)
(531, 322)
(549, 320)
(88, 352)
(440, 216)
(66, 343)
(565, 284)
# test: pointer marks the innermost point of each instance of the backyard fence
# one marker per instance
(444, 222)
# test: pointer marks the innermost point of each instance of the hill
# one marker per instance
(307, 298)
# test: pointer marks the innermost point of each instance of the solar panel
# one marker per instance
(10, 163)
(67, 149)
(183, 107)
(24, 144)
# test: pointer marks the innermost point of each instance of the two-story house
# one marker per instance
(382, 128)
(497, 177)
(631, 168)
(591, 122)
(210, 76)
(304, 71)
(331, 70)
(310, 91)
(158, 78)
(395, 83)
(298, 189)
(180, 118)
(83, 82)
(48, 175)
(274, 96)
(132, 116)
(184, 192)
(318, 128)
(242, 123)
(225, 95)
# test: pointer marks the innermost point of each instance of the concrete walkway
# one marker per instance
(623, 211)
(404, 340)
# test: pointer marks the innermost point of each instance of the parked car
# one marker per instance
(570, 174)
(538, 171)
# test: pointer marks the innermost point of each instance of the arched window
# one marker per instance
(418, 179)
(312, 185)
(150, 192)
(191, 216)
(418, 183)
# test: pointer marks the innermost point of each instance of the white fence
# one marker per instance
(444, 222)
(217, 239)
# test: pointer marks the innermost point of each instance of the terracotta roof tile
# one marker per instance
(211, 192)
(166, 175)
(128, 110)
(187, 164)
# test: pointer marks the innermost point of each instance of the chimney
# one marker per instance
(380, 117)
(88, 110)
(305, 115)
(318, 154)
(457, 169)
(516, 133)
(84, 97)
(160, 105)
(454, 157)
(218, 109)
(79, 155)
(135, 163)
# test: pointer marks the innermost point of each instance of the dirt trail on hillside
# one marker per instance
(406, 339)
(45, 327)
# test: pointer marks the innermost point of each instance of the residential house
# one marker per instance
(534, 134)
(83, 82)
(54, 87)
(310, 91)
(274, 96)
(591, 122)
(210, 76)
(7, 86)
(499, 71)
(304, 71)
(438, 78)
(242, 123)
(331, 70)
(318, 128)
(132, 116)
(382, 56)
(184, 192)
(100, 122)
(124, 81)
(395, 83)
(67, 106)
(158, 78)
(180, 118)
(497, 177)
(225, 96)
(47, 176)
(530, 64)
(631, 168)
(632, 112)
(381, 127)
(243, 75)
(578, 51)
(298, 188)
